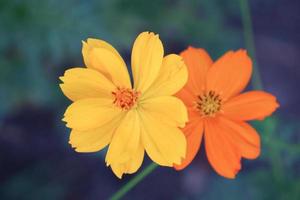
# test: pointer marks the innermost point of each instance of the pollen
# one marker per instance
(125, 98)
(209, 103)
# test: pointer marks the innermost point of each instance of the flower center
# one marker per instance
(125, 98)
(209, 103)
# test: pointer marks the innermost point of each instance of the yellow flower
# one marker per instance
(108, 110)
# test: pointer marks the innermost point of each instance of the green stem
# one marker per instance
(249, 40)
(277, 167)
(133, 182)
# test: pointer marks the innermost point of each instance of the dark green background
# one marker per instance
(40, 39)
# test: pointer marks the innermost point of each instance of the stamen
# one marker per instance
(209, 103)
(125, 98)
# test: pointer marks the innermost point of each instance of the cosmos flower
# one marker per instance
(108, 109)
(218, 112)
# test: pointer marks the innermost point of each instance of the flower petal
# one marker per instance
(95, 43)
(242, 136)
(198, 62)
(164, 107)
(172, 77)
(230, 74)
(250, 106)
(165, 145)
(91, 113)
(136, 160)
(126, 139)
(103, 57)
(146, 60)
(81, 83)
(193, 131)
(95, 139)
(221, 154)
(188, 98)
(130, 166)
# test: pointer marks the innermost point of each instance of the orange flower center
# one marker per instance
(125, 98)
(209, 103)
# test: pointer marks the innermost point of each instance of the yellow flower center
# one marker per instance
(125, 98)
(209, 103)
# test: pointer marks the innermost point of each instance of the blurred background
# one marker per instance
(41, 39)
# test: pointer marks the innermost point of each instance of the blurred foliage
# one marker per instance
(40, 39)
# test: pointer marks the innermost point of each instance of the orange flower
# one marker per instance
(218, 110)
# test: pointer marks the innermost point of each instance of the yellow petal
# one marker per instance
(103, 57)
(118, 169)
(164, 107)
(130, 166)
(91, 113)
(171, 78)
(126, 139)
(95, 139)
(165, 145)
(81, 83)
(146, 60)
(95, 43)
(136, 160)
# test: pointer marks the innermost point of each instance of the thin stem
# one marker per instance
(249, 40)
(274, 154)
(133, 182)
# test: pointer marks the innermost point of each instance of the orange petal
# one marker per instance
(243, 136)
(187, 97)
(221, 154)
(193, 132)
(188, 100)
(198, 62)
(250, 105)
(230, 74)
(193, 114)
